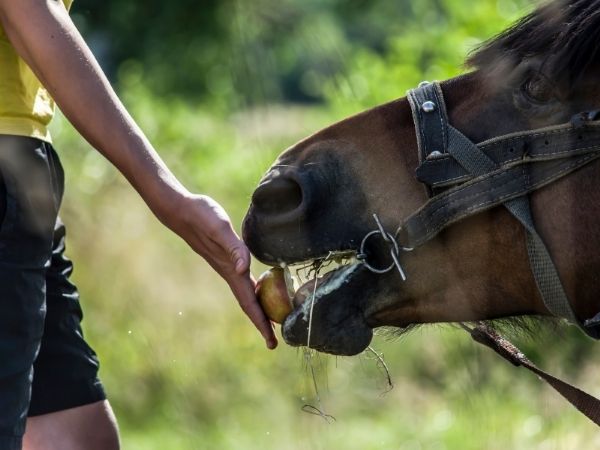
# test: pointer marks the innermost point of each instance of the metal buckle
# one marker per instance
(394, 250)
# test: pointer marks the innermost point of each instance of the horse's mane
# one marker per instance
(564, 33)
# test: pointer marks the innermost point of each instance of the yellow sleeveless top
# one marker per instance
(26, 108)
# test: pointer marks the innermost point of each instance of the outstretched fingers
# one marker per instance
(243, 285)
(208, 230)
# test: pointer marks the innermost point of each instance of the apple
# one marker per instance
(273, 294)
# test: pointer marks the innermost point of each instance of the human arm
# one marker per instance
(45, 37)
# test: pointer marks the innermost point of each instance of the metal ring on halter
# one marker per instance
(394, 250)
(363, 254)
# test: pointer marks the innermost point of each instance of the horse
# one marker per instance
(320, 196)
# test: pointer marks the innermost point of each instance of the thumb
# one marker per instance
(237, 251)
(240, 256)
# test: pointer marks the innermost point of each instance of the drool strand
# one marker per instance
(308, 352)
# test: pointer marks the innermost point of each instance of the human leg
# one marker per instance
(47, 371)
(88, 427)
(68, 408)
(26, 230)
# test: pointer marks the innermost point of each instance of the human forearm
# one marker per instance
(44, 35)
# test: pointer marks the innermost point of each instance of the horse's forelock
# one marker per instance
(563, 33)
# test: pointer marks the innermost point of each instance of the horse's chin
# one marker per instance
(331, 318)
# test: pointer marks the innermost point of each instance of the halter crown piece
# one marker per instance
(464, 178)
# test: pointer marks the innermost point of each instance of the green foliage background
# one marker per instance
(221, 87)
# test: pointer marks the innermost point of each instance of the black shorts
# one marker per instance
(45, 364)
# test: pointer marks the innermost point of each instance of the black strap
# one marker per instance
(436, 137)
(545, 273)
(584, 402)
(483, 193)
(515, 149)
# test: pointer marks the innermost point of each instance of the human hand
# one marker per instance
(206, 227)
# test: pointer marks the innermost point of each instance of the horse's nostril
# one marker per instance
(277, 196)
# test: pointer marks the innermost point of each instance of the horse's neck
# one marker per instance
(567, 214)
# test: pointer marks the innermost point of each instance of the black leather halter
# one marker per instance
(464, 178)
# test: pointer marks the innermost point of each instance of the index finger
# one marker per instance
(242, 287)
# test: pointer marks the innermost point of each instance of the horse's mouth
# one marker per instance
(329, 310)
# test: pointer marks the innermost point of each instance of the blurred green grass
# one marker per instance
(182, 366)
(185, 370)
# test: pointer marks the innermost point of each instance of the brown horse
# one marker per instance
(320, 195)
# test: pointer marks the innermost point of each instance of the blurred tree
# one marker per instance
(258, 51)
(172, 40)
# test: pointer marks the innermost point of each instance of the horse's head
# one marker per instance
(319, 197)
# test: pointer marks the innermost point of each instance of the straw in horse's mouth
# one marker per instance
(310, 282)
(318, 277)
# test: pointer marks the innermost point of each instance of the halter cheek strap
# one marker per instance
(498, 172)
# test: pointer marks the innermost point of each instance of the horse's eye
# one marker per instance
(538, 90)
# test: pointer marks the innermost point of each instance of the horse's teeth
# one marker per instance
(299, 274)
(290, 283)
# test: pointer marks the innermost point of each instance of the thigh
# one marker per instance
(26, 229)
